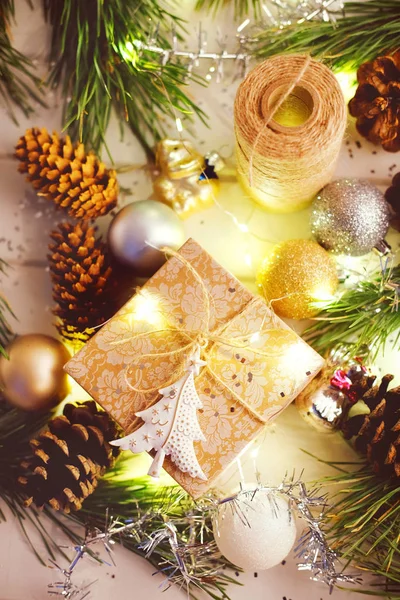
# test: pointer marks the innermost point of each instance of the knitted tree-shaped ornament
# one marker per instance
(378, 433)
(69, 457)
(81, 275)
(74, 179)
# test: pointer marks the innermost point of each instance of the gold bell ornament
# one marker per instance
(187, 181)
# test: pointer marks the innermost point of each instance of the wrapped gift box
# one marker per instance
(257, 364)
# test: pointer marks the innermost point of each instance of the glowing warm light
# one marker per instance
(248, 260)
(243, 227)
(255, 452)
(243, 25)
(255, 337)
(348, 82)
(146, 308)
(295, 360)
(322, 293)
(131, 466)
(179, 125)
(128, 51)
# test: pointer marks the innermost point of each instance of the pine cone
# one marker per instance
(81, 275)
(69, 457)
(66, 174)
(377, 101)
(392, 196)
(378, 433)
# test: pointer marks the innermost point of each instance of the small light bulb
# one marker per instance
(243, 227)
(146, 308)
(243, 25)
(322, 293)
(179, 124)
(254, 453)
(248, 260)
(255, 337)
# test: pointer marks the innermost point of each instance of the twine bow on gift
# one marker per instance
(205, 339)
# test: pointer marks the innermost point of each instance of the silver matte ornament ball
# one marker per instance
(139, 229)
(349, 216)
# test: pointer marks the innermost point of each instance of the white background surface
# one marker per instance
(25, 224)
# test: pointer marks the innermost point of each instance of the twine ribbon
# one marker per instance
(197, 338)
(283, 167)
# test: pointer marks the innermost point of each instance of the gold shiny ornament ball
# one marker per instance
(32, 377)
(296, 276)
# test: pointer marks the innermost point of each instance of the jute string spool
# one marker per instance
(280, 166)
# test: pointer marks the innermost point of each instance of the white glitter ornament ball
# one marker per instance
(256, 532)
(349, 216)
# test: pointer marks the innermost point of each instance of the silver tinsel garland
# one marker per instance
(195, 555)
(277, 14)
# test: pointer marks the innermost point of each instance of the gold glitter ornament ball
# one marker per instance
(295, 276)
(32, 378)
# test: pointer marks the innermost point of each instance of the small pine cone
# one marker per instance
(69, 457)
(81, 275)
(376, 104)
(378, 433)
(65, 173)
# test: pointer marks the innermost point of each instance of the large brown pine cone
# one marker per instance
(69, 457)
(65, 173)
(392, 196)
(376, 104)
(81, 275)
(377, 434)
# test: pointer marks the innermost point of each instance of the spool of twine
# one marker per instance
(290, 117)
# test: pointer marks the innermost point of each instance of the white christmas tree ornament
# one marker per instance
(170, 426)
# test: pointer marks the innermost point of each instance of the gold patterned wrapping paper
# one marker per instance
(252, 388)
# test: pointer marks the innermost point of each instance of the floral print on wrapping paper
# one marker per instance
(250, 387)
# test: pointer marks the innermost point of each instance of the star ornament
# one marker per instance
(195, 362)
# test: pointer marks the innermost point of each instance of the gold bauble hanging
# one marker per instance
(296, 276)
(187, 181)
(32, 377)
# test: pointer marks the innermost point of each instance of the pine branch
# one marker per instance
(5, 313)
(120, 496)
(367, 30)
(363, 527)
(18, 85)
(99, 65)
(364, 316)
(241, 7)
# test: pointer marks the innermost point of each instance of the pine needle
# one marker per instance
(118, 495)
(363, 527)
(99, 65)
(5, 314)
(19, 87)
(367, 30)
(242, 8)
(362, 317)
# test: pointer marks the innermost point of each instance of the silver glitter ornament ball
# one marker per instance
(139, 229)
(349, 216)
